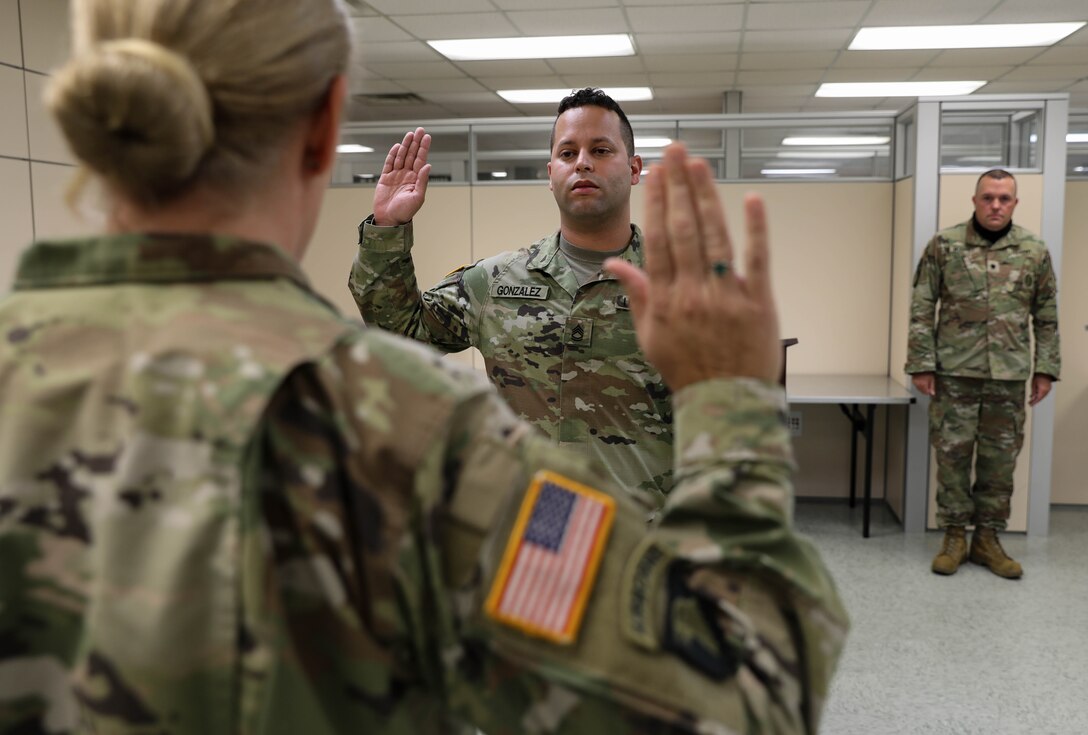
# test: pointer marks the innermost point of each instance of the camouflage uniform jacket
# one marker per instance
(223, 509)
(990, 296)
(565, 358)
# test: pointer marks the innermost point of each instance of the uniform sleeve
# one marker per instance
(383, 284)
(1044, 316)
(921, 334)
(396, 510)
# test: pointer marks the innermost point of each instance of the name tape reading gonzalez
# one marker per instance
(514, 291)
(552, 557)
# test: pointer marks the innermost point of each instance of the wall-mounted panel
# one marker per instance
(15, 214)
(13, 139)
(45, 33)
(11, 44)
(46, 141)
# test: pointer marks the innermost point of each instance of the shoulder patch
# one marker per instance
(551, 560)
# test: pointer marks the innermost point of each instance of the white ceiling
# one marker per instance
(775, 52)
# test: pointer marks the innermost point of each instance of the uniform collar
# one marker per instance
(545, 255)
(1012, 239)
(152, 258)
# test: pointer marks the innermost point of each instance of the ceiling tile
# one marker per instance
(416, 7)
(1038, 12)
(549, 4)
(690, 62)
(612, 65)
(928, 12)
(1024, 87)
(686, 18)
(687, 43)
(779, 90)
(376, 86)
(572, 22)
(467, 25)
(463, 86)
(399, 51)
(897, 74)
(786, 60)
(509, 68)
(984, 56)
(593, 79)
(1054, 72)
(717, 79)
(777, 16)
(415, 70)
(961, 73)
(883, 59)
(522, 82)
(796, 40)
(377, 30)
(1064, 55)
(793, 76)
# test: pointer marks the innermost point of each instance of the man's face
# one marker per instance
(590, 173)
(995, 200)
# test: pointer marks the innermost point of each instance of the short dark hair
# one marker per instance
(995, 173)
(596, 98)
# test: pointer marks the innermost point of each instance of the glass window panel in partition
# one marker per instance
(824, 152)
(991, 139)
(1076, 142)
(449, 156)
(512, 152)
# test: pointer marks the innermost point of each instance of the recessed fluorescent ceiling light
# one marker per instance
(974, 36)
(353, 148)
(534, 47)
(620, 94)
(1076, 138)
(652, 142)
(796, 171)
(835, 140)
(896, 89)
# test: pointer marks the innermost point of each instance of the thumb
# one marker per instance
(634, 281)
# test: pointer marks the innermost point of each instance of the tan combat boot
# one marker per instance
(986, 550)
(953, 551)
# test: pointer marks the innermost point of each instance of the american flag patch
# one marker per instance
(552, 557)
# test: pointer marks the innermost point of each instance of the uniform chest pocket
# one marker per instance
(964, 276)
(516, 326)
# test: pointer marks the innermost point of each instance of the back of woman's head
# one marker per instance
(161, 96)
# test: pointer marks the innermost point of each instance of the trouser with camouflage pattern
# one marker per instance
(973, 418)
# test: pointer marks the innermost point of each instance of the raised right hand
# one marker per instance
(402, 186)
(696, 317)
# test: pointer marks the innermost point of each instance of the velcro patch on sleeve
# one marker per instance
(692, 631)
(551, 559)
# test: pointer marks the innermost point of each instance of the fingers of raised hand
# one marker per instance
(681, 218)
(659, 266)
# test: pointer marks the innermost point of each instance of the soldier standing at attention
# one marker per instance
(225, 509)
(553, 326)
(995, 286)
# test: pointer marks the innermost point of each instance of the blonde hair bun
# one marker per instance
(135, 113)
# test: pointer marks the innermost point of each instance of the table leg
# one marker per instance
(869, 412)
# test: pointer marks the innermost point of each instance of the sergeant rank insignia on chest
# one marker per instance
(551, 559)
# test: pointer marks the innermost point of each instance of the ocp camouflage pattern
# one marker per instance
(992, 297)
(565, 358)
(224, 509)
(981, 423)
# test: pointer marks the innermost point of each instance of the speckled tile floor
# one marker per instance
(971, 653)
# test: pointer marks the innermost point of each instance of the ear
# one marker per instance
(323, 132)
(550, 187)
(636, 168)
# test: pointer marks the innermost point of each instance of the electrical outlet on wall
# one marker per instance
(794, 422)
